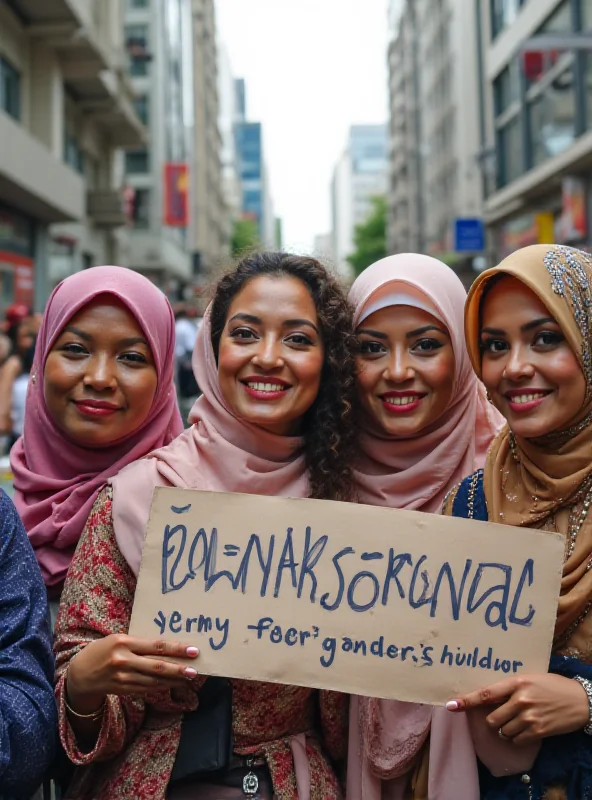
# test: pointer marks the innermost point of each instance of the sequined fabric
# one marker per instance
(27, 708)
(135, 750)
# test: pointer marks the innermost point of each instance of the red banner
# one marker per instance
(176, 191)
(23, 270)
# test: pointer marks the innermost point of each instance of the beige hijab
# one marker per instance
(544, 483)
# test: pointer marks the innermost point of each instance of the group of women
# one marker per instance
(407, 395)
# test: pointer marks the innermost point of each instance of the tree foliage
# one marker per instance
(245, 237)
(370, 237)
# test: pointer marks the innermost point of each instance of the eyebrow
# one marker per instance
(410, 335)
(87, 337)
(287, 323)
(536, 323)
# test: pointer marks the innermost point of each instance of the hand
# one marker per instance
(121, 664)
(531, 707)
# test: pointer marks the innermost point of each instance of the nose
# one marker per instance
(518, 365)
(399, 368)
(100, 373)
(268, 354)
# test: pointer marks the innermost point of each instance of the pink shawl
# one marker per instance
(220, 453)
(56, 480)
(417, 473)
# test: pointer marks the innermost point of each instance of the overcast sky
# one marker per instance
(312, 68)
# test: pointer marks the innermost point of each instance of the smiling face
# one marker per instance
(100, 379)
(405, 369)
(271, 354)
(528, 367)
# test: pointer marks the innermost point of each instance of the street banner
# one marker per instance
(360, 599)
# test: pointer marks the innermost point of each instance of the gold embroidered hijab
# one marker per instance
(547, 483)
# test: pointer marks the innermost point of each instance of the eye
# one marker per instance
(548, 339)
(427, 346)
(74, 349)
(370, 348)
(242, 333)
(300, 339)
(134, 358)
(493, 346)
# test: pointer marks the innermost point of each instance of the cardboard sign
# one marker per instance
(365, 600)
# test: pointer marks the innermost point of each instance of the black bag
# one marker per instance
(206, 733)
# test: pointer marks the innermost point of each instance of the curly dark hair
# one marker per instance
(330, 432)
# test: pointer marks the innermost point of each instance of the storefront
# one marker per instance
(17, 267)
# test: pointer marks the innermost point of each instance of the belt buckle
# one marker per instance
(250, 782)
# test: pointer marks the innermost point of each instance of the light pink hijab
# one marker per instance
(416, 473)
(220, 453)
(56, 480)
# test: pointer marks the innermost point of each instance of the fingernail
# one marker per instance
(189, 672)
(452, 705)
(192, 652)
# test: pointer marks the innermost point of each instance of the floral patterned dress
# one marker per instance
(136, 746)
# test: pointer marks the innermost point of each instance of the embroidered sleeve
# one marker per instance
(448, 503)
(334, 707)
(97, 601)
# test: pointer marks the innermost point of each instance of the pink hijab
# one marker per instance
(220, 453)
(417, 473)
(56, 480)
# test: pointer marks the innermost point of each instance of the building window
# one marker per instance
(503, 14)
(136, 42)
(10, 89)
(73, 155)
(509, 149)
(586, 15)
(552, 118)
(132, 4)
(506, 87)
(141, 209)
(141, 104)
(137, 161)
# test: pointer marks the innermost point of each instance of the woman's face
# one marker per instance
(100, 377)
(405, 369)
(529, 369)
(271, 354)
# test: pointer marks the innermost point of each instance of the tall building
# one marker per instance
(228, 117)
(360, 175)
(434, 175)
(210, 230)
(256, 201)
(160, 48)
(537, 122)
(65, 113)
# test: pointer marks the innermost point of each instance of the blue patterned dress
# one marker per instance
(564, 762)
(28, 716)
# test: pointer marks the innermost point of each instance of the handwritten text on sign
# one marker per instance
(370, 601)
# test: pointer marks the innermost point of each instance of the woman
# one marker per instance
(14, 376)
(101, 395)
(28, 719)
(274, 359)
(529, 336)
(426, 423)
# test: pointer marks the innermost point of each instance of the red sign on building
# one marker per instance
(176, 194)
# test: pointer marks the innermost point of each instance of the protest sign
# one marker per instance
(365, 600)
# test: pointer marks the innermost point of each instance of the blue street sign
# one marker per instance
(469, 235)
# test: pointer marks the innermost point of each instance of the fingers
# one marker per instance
(502, 715)
(159, 647)
(492, 695)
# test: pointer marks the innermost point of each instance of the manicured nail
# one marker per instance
(189, 672)
(192, 652)
(452, 705)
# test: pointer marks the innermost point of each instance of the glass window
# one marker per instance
(503, 14)
(10, 89)
(552, 118)
(509, 149)
(136, 41)
(73, 155)
(586, 14)
(560, 21)
(506, 87)
(141, 208)
(137, 3)
(137, 161)
(139, 67)
(141, 105)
